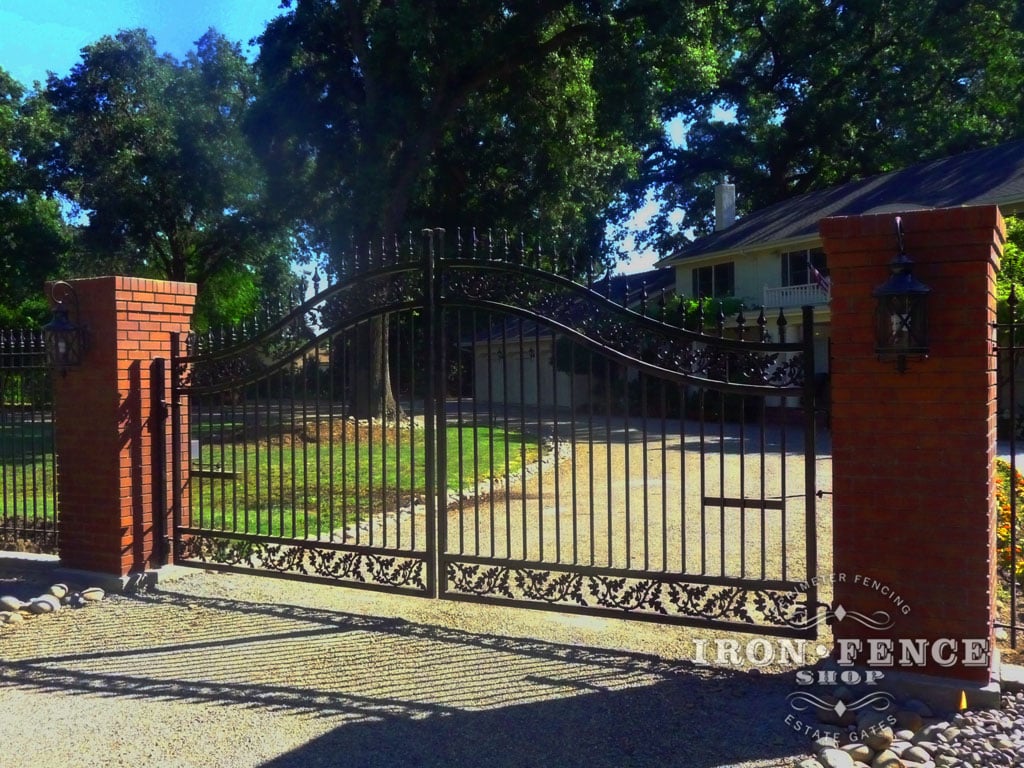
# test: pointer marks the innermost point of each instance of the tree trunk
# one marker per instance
(370, 393)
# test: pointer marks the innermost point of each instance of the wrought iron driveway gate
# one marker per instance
(466, 422)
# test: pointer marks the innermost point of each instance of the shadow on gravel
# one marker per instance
(667, 723)
(390, 692)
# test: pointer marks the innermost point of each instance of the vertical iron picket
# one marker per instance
(810, 453)
(28, 490)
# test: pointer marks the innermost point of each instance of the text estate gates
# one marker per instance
(461, 420)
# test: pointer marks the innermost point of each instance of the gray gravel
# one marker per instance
(226, 670)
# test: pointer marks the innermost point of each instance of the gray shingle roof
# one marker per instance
(993, 176)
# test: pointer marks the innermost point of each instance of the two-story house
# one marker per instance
(773, 257)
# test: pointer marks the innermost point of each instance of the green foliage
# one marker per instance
(152, 154)
(686, 313)
(33, 236)
(1011, 269)
(316, 487)
(230, 296)
(33, 312)
(823, 93)
(378, 117)
(1011, 276)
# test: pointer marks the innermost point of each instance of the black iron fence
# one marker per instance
(1009, 351)
(28, 473)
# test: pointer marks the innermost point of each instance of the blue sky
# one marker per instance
(40, 36)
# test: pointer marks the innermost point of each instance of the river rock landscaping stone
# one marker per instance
(9, 603)
(908, 719)
(879, 738)
(969, 739)
(823, 743)
(859, 752)
(917, 754)
(835, 758)
(886, 759)
(15, 611)
(59, 590)
(44, 604)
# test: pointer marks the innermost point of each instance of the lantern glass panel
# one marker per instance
(64, 345)
(902, 324)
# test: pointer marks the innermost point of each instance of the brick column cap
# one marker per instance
(923, 227)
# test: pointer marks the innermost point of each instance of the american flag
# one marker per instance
(820, 280)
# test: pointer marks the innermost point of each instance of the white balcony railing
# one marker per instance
(796, 295)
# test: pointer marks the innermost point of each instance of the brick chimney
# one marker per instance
(725, 204)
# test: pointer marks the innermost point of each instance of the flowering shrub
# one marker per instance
(1003, 537)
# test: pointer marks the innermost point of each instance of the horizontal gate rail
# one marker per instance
(724, 501)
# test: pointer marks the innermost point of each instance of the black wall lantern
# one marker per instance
(64, 337)
(901, 316)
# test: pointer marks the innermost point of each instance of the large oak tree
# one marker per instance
(153, 154)
(377, 117)
(814, 93)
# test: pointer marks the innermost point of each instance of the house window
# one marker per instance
(717, 281)
(794, 266)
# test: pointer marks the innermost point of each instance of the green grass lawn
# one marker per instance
(27, 474)
(304, 488)
(293, 489)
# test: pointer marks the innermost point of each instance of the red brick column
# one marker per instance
(913, 453)
(103, 420)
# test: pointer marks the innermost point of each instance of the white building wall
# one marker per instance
(752, 273)
(521, 375)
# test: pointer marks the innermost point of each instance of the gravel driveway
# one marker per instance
(225, 670)
(215, 669)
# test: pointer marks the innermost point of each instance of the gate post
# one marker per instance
(913, 457)
(104, 421)
(158, 434)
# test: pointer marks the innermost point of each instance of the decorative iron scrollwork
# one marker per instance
(666, 597)
(625, 332)
(307, 560)
(248, 353)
